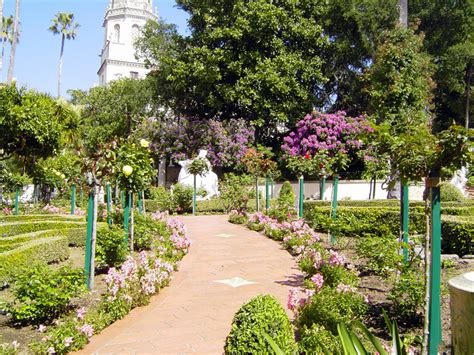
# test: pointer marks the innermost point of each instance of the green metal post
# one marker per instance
(140, 202)
(194, 194)
(267, 193)
(90, 217)
(334, 202)
(109, 205)
(435, 279)
(301, 198)
(257, 200)
(322, 187)
(17, 194)
(404, 204)
(73, 198)
(126, 214)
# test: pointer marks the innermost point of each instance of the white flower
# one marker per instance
(144, 143)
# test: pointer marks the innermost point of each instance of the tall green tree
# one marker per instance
(448, 39)
(6, 36)
(257, 60)
(16, 34)
(115, 110)
(63, 24)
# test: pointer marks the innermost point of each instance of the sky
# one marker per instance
(37, 54)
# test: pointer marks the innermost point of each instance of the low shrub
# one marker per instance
(262, 314)
(331, 306)
(159, 199)
(47, 250)
(457, 236)
(182, 198)
(407, 293)
(311, 337)
(111, 247)
(381, 254)
(236, 191)
(147, 231)
(237, 218)
(42, 294)
(449, 192)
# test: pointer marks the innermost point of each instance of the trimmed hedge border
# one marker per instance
(205, 206)
(457, 231)
(48, 250)
(14, 228)
(41, 217)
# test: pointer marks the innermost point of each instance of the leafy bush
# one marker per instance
(449, 192)
(235, 191)
(182, 198)
(329, 307)
(42, 294)
(262, 314)
(147, 230)
(161, 199)
(317, 334)
(407, 293)
(111, 247)
(47, 250)
(287, 195)
(381, 254)
(237, 218)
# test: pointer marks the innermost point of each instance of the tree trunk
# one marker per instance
(162, 172)
(60, 65)
(16, 31)
(403, 13)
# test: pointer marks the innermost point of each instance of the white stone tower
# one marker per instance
(123, 21)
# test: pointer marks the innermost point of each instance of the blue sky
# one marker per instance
(37, 56)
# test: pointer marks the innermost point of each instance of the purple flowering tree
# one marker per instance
(225, 141)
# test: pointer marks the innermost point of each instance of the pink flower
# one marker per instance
(68, 341)
(318, 281)
(345, 288)
(335, 259)
(51, 350)
(292, 303)
(87, 329)
(15, 344)
(80, 313)
(42, 328)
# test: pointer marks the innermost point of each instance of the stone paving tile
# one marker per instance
(194, 313)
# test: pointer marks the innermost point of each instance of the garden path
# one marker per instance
(227, 265)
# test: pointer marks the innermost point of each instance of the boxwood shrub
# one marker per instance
(46, 250)
(40, 217)
(261, 314)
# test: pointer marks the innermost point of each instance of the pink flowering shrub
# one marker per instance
(237, 217)
(7, 211)
(323, 141)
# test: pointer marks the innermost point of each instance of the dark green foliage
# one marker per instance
(47, 250)
(111, 247)
(43, 294)
(182, 198)
(287, 195)
(40, 217)
(330, 307)
(262, 314)
(449, 192)
(457, 236)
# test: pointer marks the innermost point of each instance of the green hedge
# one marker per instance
(41, 217)
(214, 205)
(388, 203)
(457, 231)
(14, 228)
(48, 250)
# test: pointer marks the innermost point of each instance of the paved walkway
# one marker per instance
(226, 266)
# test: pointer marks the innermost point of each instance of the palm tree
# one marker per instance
(6, 35)
(63, 24)
(16, 31)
